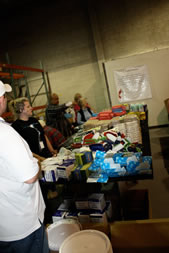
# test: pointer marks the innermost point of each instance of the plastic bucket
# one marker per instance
(59, 231)
(89, 241)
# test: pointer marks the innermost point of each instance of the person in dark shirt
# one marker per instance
(31, 130)
(55, 116)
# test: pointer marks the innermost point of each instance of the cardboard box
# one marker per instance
(97, 201)
(81, 173)
(84, 217)
(64, 170)
(82, 203)
(102, 227)
(80, 158)
(88, 156)
(140, 236)
(83, 158)
(50, 173)
(98, 217)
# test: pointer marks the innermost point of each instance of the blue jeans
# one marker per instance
(33, 243)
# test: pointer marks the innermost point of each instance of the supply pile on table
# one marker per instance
(103, 152)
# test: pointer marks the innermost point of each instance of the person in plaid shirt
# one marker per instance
(55, 137)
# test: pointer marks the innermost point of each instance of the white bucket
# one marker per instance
(59, 231)
(89, 241)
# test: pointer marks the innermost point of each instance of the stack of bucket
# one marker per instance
(59, 231)
(86, 241)
(66, 236)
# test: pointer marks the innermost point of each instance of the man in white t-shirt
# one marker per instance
(21, 202)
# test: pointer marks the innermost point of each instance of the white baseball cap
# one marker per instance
(4, 87)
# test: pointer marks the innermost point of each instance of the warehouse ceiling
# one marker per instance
(12, 7)
(18, 16)
(13, 4)
(12, 12)
(16, 3)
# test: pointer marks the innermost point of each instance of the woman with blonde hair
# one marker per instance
(31, 130)
(77, 97)
(77, 104)
(84, 113)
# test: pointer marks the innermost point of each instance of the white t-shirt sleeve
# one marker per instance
(17, 161)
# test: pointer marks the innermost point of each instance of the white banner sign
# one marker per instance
(132, 84)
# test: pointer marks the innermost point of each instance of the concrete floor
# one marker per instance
(159, 186)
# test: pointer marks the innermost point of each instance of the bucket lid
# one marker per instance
(59, 231)
(89, 241)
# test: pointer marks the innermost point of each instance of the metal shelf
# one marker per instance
(18, 79)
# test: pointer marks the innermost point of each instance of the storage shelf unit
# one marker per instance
(19, 73)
